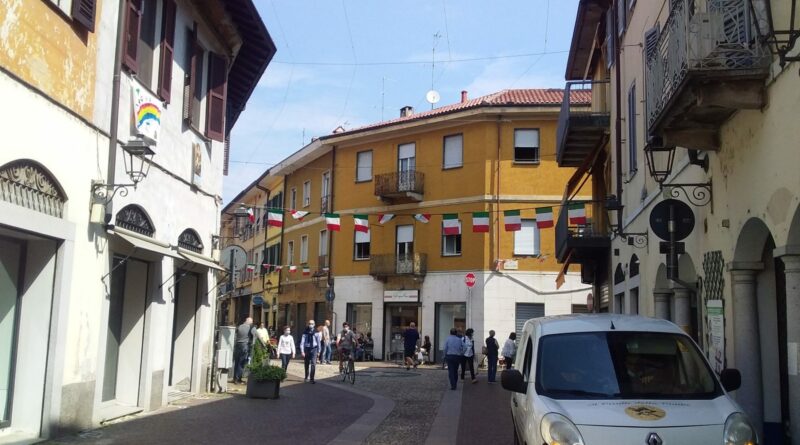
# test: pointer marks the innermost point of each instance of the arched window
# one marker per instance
(133, 218)
(619, 275)
(28, 184)
(190, 240)
(634, 266)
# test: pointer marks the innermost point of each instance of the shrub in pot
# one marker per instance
(264, 381)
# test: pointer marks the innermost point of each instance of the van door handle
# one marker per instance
(515, 401)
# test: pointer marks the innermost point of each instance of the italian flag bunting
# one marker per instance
(251, 267)
(275, 218)
(480, 222)
(251, 216)
(278, 268)
(333, 221)
(298, 214)
(512, 220)
(577, 213)
(450, 225)
(383, 218)
(306, 271)
(423, 217)
(265, 266)
(544, 217)
(362, 223)
(292, 269)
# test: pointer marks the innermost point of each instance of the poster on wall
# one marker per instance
(146, 111)
(716, 334)
(197, 164)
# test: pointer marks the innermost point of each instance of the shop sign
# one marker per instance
(510, 265)
(716, 331)
(258, 300)
(401, 296)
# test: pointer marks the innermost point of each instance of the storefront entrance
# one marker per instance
(448, 316)
(397, 318)
(184, 331)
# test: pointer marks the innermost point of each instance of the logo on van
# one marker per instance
(645, 412)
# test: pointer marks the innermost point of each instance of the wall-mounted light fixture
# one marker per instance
(660, 160)
(138, 155)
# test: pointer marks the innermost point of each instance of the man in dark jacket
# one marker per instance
(310, 344)
(241, 348)
(492, 348)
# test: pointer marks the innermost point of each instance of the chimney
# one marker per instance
(463, 96)
(406, 111)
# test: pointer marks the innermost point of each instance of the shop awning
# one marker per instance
(200, 260)
(143, 242)
(561, 274)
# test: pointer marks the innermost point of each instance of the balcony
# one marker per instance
(707, 63)
(406, 185)
(382, 266)
(580, 243)
(325, 204)
(581, 129)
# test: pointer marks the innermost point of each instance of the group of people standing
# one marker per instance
(459, 352)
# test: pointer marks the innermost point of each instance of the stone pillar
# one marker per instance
(790, 255)
(682, 308)
(746, 341)
(661, 297)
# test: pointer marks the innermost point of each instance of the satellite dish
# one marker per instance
(239, 257)
(432, 97)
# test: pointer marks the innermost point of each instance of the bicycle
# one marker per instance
(349, 369)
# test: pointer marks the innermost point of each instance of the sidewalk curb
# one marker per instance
(445, 426)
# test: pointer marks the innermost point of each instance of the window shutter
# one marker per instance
(132, 23)
(651, 42)
(167, 51)
(453, 151)
(188, 84)
(610, 47)
(83, 13)
(525, 238)
(621, 19)
(217, 85)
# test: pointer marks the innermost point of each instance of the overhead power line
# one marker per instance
(420, 62)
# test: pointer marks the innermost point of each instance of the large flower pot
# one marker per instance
(263, 389)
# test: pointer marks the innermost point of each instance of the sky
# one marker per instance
(354, 62)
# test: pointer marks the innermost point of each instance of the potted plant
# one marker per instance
(264, 381)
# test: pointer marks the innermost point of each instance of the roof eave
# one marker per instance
(586, 21)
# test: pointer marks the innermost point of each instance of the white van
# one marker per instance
(589, 379)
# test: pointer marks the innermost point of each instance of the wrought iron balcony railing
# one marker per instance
(580, 126)
(402, 184)
(392, 265)
(325, 204)
(584, 241)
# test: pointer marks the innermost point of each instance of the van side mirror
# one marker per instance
(731, 379)
(512, 380)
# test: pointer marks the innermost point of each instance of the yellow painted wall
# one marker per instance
(41, 45)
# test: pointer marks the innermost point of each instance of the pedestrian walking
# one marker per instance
(326, 340)
(410, 339)
(510, 350)
(469, 356)
(461, 361)
(262, 335)
(309, 347)
(241, 348)
(452, 355)
(492, 348)
(286, 347)
(426, 349)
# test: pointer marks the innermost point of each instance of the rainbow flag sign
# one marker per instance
(146, 111)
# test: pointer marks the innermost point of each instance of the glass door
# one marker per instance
(326, 191)
(448, 316)
(406, 166)
(10, 258)
(405, 249)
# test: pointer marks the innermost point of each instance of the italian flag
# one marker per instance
(278, 268)
(480, 222)
(544, 217)
(298, 214)
(251, 267)
(265, 266)
(423, 217)
(292, 269)
(250, 215)
(333, 221)
(450, 224)
(383, 218)
(362, 223)
(577, 213)
(512, 221)
(275, 218)
(306, 271)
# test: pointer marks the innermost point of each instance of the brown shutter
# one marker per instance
(651, 42)
(188, 86)
(83, 13)
(167, 51)
(217, 86)
(132, 24)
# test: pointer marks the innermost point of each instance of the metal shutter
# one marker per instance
(526, 311)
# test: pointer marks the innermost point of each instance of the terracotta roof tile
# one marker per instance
(520, 97)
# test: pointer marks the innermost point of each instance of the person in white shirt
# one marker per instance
(510, 350)
(286, 347)
(469, 356)
(262, 334)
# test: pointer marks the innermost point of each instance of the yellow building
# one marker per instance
(489, 154)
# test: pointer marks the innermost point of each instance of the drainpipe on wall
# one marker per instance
(264, 252)
(497, 200)
(330, 233)
(618, 145)
(114, 123)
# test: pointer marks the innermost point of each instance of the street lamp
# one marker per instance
(138, 156)
(783, 27)
(660, 160)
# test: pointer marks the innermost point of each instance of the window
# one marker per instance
(526, 240)
(526, 363)
(293, 199)
(323, 242)
(217, 92)
(364, 166)
(526, 145)
(193, 79)
(82, 11)
(256, 257)
(306, 193)
(632, 161)
(290, 251)
(453, 151)
(142, 36)
(651, 42)
(361, 246)
(272, 256)
(451, 244)
(621, 17)
(610, 38)
(304, 249)
(325, 193)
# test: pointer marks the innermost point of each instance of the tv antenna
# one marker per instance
(432, 97)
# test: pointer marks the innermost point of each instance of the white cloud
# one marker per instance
(517, 73)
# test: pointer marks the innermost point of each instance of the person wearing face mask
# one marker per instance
(346, 344)
(286, 347)
(309, 346)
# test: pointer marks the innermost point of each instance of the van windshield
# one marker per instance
(622, 365)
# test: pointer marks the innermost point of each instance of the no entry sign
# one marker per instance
(469, 279)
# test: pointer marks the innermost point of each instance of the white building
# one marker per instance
(107, 293)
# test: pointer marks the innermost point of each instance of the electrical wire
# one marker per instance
(422, 62)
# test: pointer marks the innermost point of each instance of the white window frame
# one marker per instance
(64, 5)
(293, 199)
(356, 242)
(521, 239)
(363, 172)
(307, 193)
(323, 242)
(537, 148)
(303, 249)
(455, 243)
(633, 161)
(453, 137)
(290, 251)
